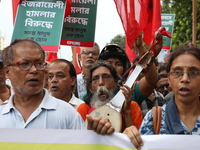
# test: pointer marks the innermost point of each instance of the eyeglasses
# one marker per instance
(88, 53)
(163, 86)
(26, 65)
(179, 73)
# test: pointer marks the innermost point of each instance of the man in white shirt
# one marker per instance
(62, 81)
(31, 106)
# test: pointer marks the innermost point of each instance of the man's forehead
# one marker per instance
(90, 49)
(100, 71)
(162, 81)
(57, 67)
(55, 72)
(114, 59)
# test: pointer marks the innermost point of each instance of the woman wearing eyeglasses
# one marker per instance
(181, 115)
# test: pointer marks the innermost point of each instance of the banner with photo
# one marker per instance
(40, 21)
(57, 139)
(79, 26)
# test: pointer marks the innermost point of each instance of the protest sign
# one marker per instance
(168, 23)
(40, 21)
(79, 26)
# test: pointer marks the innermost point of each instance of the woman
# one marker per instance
(182, 113)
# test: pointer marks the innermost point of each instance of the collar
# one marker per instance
(73, 101)
(172, 120)
(48, 102)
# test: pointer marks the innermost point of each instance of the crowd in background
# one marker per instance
(54, 96)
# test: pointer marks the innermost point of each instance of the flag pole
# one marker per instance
(194, 22)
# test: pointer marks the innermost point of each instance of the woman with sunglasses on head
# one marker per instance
(181, 115)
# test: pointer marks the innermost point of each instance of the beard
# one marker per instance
(102, 96)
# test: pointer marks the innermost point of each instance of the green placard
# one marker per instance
(168, 23)
(79, 26)
(40, 21)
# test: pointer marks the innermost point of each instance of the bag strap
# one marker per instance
(157, 115)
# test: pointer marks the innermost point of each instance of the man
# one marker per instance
(115, 55)
(162, 70)
(162, 85)
(5, 90)
(87, 57)
(31, 106)
(62, 81)
(102, 85)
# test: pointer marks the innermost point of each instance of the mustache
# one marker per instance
(102, 90)
(90, 59)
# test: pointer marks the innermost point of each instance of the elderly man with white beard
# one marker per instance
(102, 85)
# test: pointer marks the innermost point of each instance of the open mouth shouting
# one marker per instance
(184, 91)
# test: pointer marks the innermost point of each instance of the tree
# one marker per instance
(182, 33)
(166, 6)
(119, 40)
(183, 20)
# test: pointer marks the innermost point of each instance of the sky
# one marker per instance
(108, 25)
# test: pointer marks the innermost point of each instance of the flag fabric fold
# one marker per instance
(68, 8)
(130, 52)
(154, 20)
(137, 16)
(75, 52)
(51, 56)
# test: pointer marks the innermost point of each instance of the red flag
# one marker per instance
(154, 20)
(68, 8)
(135, 18)
(75, 52)
(14, 7)
(51, 57)
(130, 52)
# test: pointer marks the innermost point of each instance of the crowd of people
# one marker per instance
(53, 96)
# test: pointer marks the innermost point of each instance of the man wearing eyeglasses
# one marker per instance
(5, 90)
(31, 106)
(162, 85)
(87, 58)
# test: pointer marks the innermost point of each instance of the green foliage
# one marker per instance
(183, 20)
(166, 6)
(182, 32)
(119, 40)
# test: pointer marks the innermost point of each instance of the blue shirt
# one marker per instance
(146, 127)
(52, 113)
